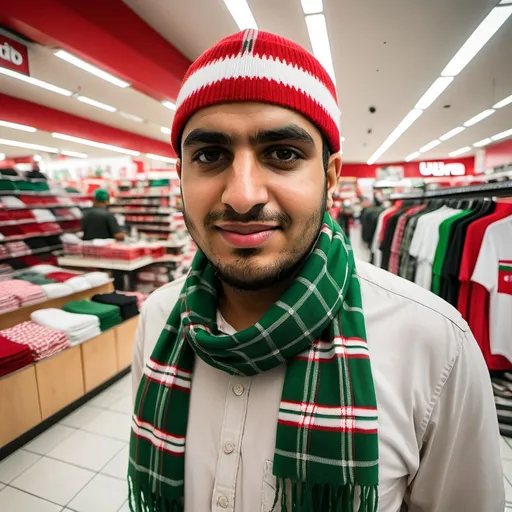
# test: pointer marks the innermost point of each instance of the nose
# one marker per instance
(245, 187)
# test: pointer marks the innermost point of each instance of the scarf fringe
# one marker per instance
(325, 497)
(142, 499)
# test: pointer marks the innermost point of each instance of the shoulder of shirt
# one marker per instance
(165, 296)
(406, 293)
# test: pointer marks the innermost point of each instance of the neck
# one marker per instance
(241, 309)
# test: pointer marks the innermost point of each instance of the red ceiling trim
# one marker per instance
(48, 119)
(105, 33)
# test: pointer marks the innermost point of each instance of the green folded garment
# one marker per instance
(109, 315)
(40, 186)
(34, 278)
(8, 185)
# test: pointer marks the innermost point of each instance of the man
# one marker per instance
(259, 376)
(98, 222)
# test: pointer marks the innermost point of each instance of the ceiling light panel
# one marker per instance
(241, 13)
(165, 130)
(131, 117)
(406, 122)
(412, 156)
(95, 144)
(16, 126)
(74, 154)
(319, 38)
(35, 81)
(477, 40)
(503, 102)
(2, 156)
(481, 143)
(79, 63)
(161, 158)
(434, 91)
(452, 133)
(26, 145)
(430, 145)
(97, 104)
(479, 117)
(169, 104)
(312, 6)
(502, 135)
(460, 151)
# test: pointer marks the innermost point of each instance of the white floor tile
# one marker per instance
(87, 450)
(125, 508)
(14, 465)
(506, 450)
(78, 418)
(118, 466)
(102, 494)
(1, 486)
(47, 441)
(104, 400)
(111, 424)
(122, 387)
(124, 405)
(53, 480)
(13, 500)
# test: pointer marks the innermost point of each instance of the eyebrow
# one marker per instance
(288, 132)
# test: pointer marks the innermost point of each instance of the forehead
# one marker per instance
(247, 119)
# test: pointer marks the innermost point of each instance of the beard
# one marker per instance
(245, 274)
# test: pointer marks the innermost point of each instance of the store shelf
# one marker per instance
(32, 252)
(126, 265)
(17, 238)
(144, 211)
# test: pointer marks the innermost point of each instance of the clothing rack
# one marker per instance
(498, 189)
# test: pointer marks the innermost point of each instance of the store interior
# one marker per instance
(425, 91)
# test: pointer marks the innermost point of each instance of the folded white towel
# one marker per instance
(45, 269)
(63, 321)
(97, 278)
(56, 290)
(79, 284)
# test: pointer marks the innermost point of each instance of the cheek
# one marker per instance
(299, 198)
(199, 198)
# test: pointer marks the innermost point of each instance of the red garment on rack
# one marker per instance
(474, 299)
(385, 219)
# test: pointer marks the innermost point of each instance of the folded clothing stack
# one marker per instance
(97, 278)
(8, 302)
(12, 202)
(42, 341)
(13, 356)
(108, 315)
(43, 215)
(56, 290)
(44, 269)
(79, 283)
(17, 249)
(6, 272)
(26, 293)
(34, 278)
(78, 328)
(60, 275)
(127, 305)
(141, 297)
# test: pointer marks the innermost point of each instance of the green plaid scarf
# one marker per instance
(326, 441)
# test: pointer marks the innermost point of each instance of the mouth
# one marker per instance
(247, 235)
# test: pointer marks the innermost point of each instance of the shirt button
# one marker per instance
(238, 389)
(229, 447)
(223, 501)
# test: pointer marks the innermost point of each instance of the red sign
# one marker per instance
(13, 55)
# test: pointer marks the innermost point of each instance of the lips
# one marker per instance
(246, 235)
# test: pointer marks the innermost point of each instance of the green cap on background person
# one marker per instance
(101, 196)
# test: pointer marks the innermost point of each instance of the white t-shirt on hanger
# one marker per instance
(493, 271)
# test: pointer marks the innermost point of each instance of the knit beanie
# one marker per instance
(263, 67)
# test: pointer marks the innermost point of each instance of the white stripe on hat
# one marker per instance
(255, 66)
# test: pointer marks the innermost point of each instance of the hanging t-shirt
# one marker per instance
(493, 271)
(424, 243)
(376, 252)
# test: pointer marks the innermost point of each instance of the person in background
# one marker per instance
(280, 373)
(98, 222)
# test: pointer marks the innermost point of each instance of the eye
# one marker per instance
(285, 155)
(207, 156)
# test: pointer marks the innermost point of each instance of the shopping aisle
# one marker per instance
(78, 465)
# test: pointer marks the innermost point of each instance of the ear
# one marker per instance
(178, 168)
(333, 173)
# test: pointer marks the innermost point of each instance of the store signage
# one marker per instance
(442, 169)
(13, 55)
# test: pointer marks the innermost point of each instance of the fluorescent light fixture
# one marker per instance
(452, 133)
(460, 151)
(2, 156)
(35, 81)
(79, 63)
(26, 145)
(161, 158)
(319, 38)
(169, 104)
(241, 13)
(434, 91)
(131, 117)
(482, 143)
(95, 144)
(430, 145)
(502, 135)
(412, 156)
(505, 101)
(342, 139)
(37, 158)
(74, 154)
(312, 6)
(97, 104)
(17, 126)
(479, 117)
(404, 125)
(165, 130)
(477, 40)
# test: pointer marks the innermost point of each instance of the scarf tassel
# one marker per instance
(304, 497)
(143, 500)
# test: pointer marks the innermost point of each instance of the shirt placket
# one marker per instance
(235, 412)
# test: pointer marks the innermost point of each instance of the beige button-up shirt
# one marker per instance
(438, 431)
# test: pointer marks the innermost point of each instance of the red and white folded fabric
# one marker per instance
(13, 356)
(8, 302)
(44, 269)
(42, 341)
(26, 293)
(62, 276)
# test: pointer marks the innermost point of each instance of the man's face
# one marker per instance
(254, 190)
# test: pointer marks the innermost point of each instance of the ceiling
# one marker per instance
(385, 54)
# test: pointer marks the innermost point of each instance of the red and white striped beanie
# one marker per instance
(258, 66)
